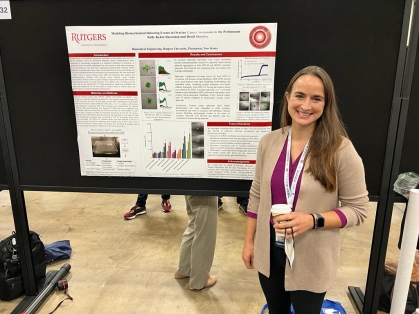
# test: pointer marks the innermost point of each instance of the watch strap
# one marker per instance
(314, 221)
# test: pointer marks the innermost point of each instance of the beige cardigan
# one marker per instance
(316, 251)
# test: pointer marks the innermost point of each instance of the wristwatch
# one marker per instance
(319, 221)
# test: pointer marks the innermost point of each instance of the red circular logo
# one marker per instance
(260, 37)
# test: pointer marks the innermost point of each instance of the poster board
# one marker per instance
(346, 39)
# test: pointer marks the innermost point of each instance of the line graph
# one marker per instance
(261, 69)
(259, 74)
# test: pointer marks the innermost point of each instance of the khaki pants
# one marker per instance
(198, 241)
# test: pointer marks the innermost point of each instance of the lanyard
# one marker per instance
(290, 192)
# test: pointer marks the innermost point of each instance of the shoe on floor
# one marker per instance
(135, 211)
(166, 206)
(210, 282)
(179, 276)
(220, 206)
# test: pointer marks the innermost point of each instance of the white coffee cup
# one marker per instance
(276, 210)
(280, 209)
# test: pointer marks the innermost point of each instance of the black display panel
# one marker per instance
(357, 42)
(410, 153)
(3, 176)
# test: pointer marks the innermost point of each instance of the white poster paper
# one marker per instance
(172, 101)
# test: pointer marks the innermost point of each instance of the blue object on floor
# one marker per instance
(58, 250)
(332, 307)
(264, 308)
(328, 307)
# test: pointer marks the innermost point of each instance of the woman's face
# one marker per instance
(306, 101)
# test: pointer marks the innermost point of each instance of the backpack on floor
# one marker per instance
(387, 286)
(11, 282)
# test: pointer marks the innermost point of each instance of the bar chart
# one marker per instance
(174, 149)
(164, 142)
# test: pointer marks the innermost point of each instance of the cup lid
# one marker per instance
(280, 209)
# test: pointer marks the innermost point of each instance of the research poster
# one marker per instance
(188, 101)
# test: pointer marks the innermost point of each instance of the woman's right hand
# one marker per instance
(248, 255)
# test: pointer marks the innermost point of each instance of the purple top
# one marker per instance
(278, 187)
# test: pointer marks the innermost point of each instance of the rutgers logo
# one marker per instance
(260, 37)
(87, 37)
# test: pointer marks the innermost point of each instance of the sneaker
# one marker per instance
(220, 206)
(243, 208)
(135, 211)
(165, 206)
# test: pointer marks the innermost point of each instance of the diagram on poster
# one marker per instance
(179, 152)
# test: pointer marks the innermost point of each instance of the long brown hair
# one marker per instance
(327, 136)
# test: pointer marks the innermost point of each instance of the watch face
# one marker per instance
(320, 221)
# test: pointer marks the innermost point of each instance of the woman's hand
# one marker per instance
(248, 255)
(300, 223)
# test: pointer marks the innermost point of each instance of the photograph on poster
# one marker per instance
(105, 146)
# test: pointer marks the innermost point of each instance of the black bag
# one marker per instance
(387, 287)
(11, 283)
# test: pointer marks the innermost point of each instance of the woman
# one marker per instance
(323, 168)
(198, 242)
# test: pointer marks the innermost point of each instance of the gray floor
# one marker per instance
(121, 266)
